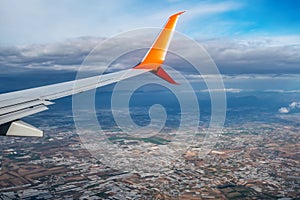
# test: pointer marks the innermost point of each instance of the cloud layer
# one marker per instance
(67, 55)
(232, 56)
(260, 55)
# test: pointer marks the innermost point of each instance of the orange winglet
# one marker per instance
(155, 56)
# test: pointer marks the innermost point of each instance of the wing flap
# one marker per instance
(20, 106)
(21, 113)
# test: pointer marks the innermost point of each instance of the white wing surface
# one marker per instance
(19, 104)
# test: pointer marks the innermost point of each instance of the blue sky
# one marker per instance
(26, 22)
(246, 36)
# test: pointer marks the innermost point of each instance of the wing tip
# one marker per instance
(177, 14)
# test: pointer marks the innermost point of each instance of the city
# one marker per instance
(253, 161)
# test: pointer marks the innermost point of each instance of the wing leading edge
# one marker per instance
(19, 104)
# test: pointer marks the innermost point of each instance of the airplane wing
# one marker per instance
(19, 104)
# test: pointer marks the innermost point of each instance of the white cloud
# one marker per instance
(212, 8)
(292, 106)
(51, 21)
(236, 77)
(284, 110)
(284, 91)
(231, 90)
